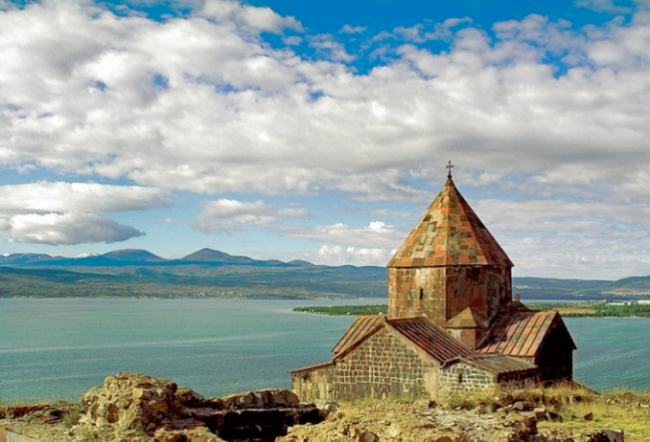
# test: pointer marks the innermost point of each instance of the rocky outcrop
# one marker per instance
(133, 407)
(132, 403)
(372, 421)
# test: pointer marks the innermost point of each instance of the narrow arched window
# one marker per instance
(460, 378)
(421, 293)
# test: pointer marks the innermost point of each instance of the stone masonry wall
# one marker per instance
(384, 366)
(523, 379)
(443, 292)
(487, 289)
(415, 291)
(461, 378)
(381, 367)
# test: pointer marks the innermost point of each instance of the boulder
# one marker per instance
(367, 436)
(522, 406)
(268, 398)
(607, 436)
(131, 402)
(135, 407)
(542, 414)
(190, 435)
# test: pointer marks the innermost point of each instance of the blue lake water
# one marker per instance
(59, 348)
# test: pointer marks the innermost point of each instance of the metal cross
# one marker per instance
(449, 166)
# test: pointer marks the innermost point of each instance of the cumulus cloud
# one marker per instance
(44, 196)
(228, 214)
(58, 213)
(375, 234)
(373, 244)
(349, 29)
(248, 17)
(360, 256)
(203, 104)
(609, 6)
(569, 238)
(64, 228)
(329, 48)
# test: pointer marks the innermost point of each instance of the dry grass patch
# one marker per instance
(568, 311)
(616, 410)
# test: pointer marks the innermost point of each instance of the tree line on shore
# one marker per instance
(575, 310)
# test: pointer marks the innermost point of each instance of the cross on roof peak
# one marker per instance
(449, 166)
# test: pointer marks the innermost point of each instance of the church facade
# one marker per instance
(452, 325)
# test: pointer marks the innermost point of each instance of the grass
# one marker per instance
(582, 410)
(615, 410)
(577, 311)
(596, 309)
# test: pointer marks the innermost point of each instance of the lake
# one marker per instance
(59, 348)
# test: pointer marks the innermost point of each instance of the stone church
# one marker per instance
(452, 325)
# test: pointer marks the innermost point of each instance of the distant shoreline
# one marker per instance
(568, 310)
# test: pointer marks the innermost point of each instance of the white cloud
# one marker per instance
(359, 256)
(202, 104)
(608, 6)
(64, 228)
(58, 213)
(375, 234)
(43, 196)
(330, 49)
(228, 214)
(570, 238)
(349, 29)
(292, 40)
(249, 17)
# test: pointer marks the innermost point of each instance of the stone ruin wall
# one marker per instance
(314, 384)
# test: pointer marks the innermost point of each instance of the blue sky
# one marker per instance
(321, 130)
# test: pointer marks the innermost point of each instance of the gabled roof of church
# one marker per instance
(430, 337)
(420, 331)
(494, 363)
(362, 327)
(449, 233)
(522, 333)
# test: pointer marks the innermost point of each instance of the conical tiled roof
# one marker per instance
(449, 234)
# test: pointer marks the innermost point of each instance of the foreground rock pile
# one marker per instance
(138, 408)
(422, 422)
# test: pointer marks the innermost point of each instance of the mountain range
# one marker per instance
(138, 257)
(212, 273)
